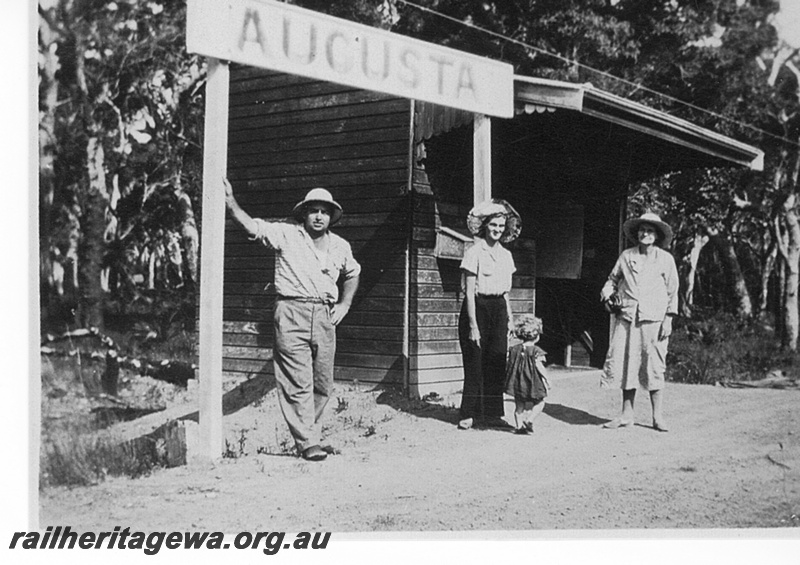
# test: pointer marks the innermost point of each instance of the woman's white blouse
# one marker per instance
(492, 266)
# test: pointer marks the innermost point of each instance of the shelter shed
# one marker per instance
(406, 173)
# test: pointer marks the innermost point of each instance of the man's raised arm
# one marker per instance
(240, 216)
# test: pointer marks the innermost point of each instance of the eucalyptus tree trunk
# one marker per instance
(48, 99)
(94, 203)
(92, 248)
(789, 243)
(792, 267)
(780, 319)
(766, 272)
(733, 273)
(793, 259)
(687, 304)
(190, 238)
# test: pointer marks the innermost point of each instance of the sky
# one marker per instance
(787, 22)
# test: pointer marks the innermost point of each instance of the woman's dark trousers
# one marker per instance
(484, 366)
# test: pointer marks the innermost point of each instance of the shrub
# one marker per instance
(722, 348)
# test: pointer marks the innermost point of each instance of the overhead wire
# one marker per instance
(606, 74)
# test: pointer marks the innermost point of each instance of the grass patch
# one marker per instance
(76, 456)
(77, 447)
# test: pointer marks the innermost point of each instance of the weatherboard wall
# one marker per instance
(289, 134)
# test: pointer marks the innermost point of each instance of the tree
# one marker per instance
(725, 71)
(121, 99)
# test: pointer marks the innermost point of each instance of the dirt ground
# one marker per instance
(730, 460)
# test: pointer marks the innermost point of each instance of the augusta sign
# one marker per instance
(273, 35)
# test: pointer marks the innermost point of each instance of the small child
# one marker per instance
(526, 377)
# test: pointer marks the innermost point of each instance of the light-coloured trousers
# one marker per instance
(305, 347)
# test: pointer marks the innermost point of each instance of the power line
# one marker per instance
(598, 71)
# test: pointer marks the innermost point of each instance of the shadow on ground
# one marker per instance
(421, 408)
(244, 394)
(572, 416)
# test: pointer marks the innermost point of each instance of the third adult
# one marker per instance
(645, 282)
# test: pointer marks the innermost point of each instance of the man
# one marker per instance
(309, 260)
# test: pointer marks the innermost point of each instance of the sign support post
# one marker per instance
(481, 159)
(212, 245)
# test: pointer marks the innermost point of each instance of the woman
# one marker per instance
(486, 318)
(645, 282)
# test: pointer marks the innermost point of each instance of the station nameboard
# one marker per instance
(273, 35)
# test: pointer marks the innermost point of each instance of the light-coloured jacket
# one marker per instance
(646, 284)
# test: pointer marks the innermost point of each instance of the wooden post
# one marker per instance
(407, 384)
(212, 248)
(482, 158)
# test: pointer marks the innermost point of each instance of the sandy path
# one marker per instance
(731, 460)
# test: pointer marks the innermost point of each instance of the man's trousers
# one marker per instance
(305, 346)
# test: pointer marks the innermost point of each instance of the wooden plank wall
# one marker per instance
(287, 135)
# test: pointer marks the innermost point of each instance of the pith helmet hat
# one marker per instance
(316, 195)
(495, 207)
(631, 228)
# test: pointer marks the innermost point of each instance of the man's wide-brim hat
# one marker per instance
(631, 228)
(319, 195)
(491, 208)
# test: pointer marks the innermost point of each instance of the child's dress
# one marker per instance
(523, 380)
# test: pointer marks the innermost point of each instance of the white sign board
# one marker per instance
(273, 35)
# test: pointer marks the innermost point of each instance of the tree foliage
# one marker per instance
(123, 100)
(120, 117)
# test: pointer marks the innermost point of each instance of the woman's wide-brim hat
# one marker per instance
(491, 208)
(317, 195)
(631, 228)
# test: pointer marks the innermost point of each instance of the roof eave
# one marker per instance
(603, 105)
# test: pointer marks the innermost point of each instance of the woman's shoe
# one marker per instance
(617, 423)
(660, 426)
(465, 424)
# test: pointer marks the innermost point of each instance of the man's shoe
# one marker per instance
(330, 450)
(314, 453)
